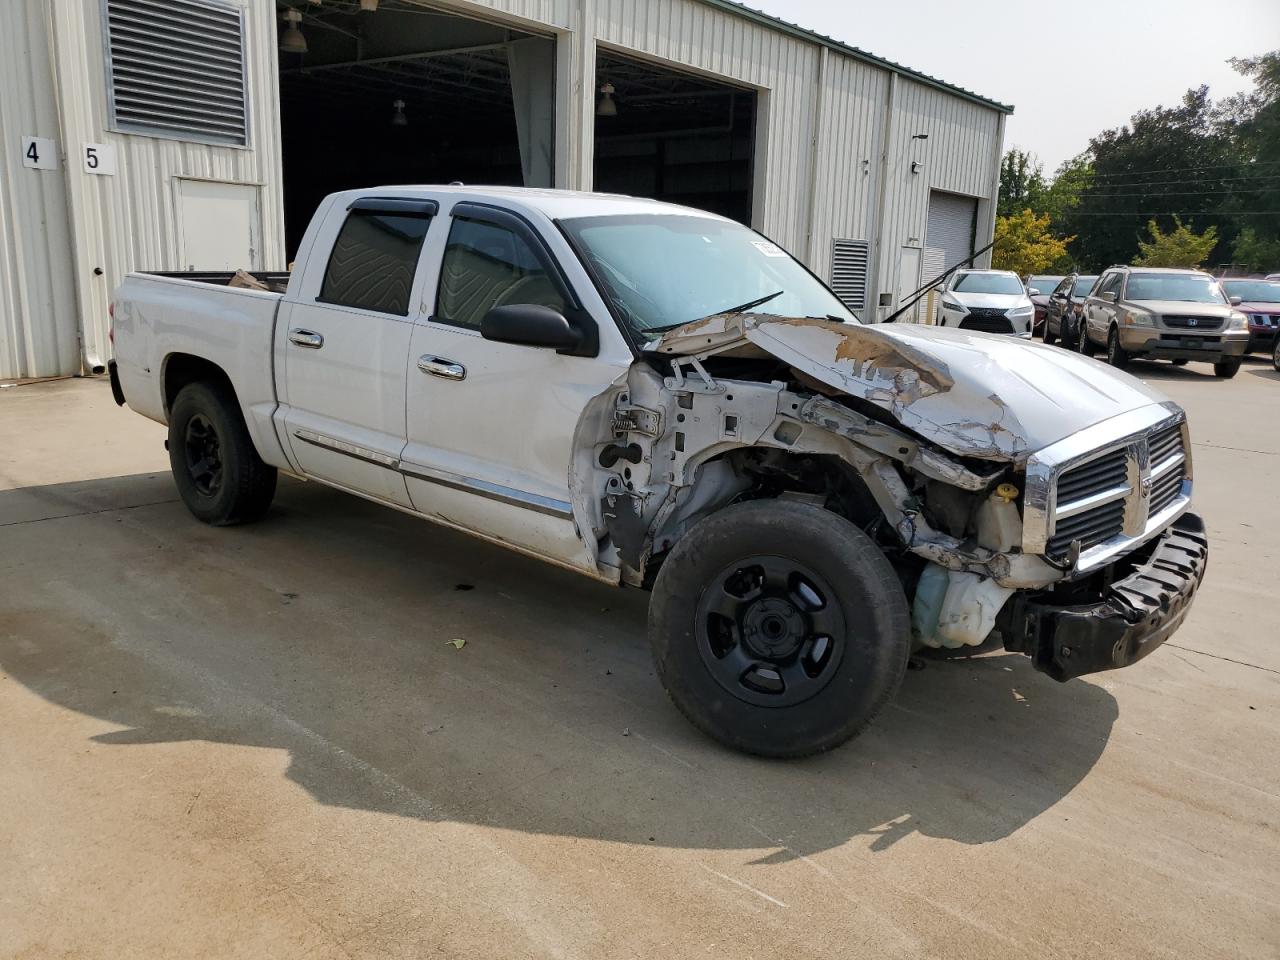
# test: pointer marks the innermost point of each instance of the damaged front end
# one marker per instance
(920, 437)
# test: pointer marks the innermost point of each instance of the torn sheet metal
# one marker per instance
(956, 388)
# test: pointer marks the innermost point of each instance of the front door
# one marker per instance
(491, 425)
(346, 343)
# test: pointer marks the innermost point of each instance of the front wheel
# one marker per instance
(779, 628)
(1049, 335)
(1227, 367)
(1083, 343)
(1117, 355)
(1275, 353)
(218, 472)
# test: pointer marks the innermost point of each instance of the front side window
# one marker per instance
(1187, 288)
(1110, 284)
(487, 265)
(1002, 283)
(1082, 287)
(373, 261)
(661, 271)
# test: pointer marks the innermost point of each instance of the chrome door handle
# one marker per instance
(306, 338)
(440, 367)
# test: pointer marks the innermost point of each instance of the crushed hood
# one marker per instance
(973, 394)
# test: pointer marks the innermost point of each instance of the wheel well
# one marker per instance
(181, 369)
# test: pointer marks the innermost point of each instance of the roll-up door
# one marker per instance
(952, 220)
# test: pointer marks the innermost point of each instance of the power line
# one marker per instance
(1175, 213)
(1184, 180)
(1220, 166)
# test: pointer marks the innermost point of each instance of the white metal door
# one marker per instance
(220, 225)
(908, 283)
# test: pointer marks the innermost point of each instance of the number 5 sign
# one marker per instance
(100, 158)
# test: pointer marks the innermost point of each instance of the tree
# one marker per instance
(1024, 244)
(1070, 180)
(1258, 127)
(1022, 183)
(1254, 253)
(1182, 247)
(1170, 160)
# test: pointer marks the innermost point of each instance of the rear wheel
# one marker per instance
(218, 472)
(1275, 353)
(1227, 367)
(779, 628)
(1117, 355)
(1049, 335)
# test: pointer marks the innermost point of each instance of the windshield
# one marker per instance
(1044, 284)
(1189, 288)
(1258, 291)
(1083, 286)
(660, 271)
(988, 283)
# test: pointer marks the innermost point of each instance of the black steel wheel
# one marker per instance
(216, 468)
(204, 458)
(770, 631)
(779, 628)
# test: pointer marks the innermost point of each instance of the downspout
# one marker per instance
(816, 146)
(886, 144)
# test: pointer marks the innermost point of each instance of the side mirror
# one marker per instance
(530, 325)
(1109, 296)
(1033, 292)
(1236, 301)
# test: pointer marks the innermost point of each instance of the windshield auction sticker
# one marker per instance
(768, 249)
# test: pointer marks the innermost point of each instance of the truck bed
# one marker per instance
(275, 281)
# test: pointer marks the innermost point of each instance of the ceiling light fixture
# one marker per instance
(607, 107)
(292, 40)
(398, 119)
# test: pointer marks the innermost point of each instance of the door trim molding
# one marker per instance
(491, 491)
(455, 481)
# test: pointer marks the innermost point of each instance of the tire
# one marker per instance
(772, 655)
(1083, 343)
(1180, 362)
(1117, 356)
(1227, 367)
(219, 474)
(1049, 335)
(1275, 353)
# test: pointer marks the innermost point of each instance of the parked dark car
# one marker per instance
(1038, 289)
(1065, 308)
(1260, 301)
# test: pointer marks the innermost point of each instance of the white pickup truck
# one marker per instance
(662, 398)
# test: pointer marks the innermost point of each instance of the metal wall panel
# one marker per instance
(38, 329)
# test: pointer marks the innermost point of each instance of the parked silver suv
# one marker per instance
(1162, 314)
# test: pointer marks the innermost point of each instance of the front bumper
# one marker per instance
(1183, 344)
(1120, 623)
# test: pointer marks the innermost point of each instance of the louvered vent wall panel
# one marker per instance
(177, 69)
(849, 260)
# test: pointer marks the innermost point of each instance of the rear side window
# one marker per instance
(374, 260)
(485, 266)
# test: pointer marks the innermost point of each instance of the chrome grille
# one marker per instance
(1091, 503)
(1097, 493)
(1200, 323)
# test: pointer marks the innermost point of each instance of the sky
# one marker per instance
(1069, 72)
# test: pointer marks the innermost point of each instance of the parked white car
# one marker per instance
(989, 301)
(659, 397)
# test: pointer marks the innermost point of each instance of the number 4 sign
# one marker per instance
(39, 153)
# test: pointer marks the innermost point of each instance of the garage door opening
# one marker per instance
(405, 94)
(673, 136)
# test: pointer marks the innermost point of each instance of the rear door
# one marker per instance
(491, 425)
(345, 342)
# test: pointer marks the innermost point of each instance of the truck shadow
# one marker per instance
(325, 632)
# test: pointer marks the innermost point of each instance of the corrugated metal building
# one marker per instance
(197, 134)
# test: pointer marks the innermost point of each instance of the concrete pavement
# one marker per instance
(258, 742)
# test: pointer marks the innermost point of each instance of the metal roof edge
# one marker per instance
(803, 33)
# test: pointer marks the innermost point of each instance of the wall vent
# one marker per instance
(849, 262)
(176, 69)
